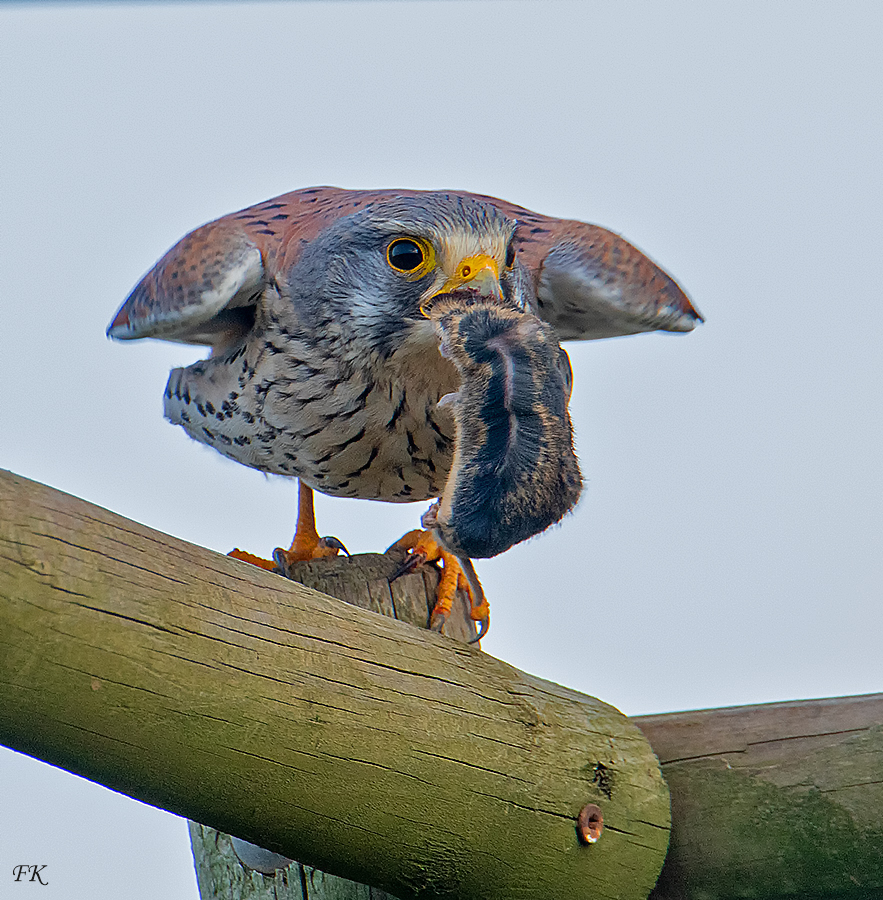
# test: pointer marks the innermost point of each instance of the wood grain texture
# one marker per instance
(359, 745)
(222, 876)
(783, 800)
(364, 582)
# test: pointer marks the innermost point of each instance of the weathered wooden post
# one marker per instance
(381, 752)
(781, 801)
(359, 745)
(362, 580)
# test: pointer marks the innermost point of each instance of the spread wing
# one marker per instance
(198, 292)
(590, 283)
(205, 289)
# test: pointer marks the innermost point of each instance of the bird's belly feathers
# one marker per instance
(375, 436)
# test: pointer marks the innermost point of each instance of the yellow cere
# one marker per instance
(480, 271)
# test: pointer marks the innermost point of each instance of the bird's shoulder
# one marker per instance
(588, 281)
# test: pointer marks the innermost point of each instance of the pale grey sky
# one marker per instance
(727, 547)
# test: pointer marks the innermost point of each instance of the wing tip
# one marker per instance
(680, 323)
(189, 288)
(678, 314)
(120, 328)
(129, 322)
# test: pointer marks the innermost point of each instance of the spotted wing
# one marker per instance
(206, 288)
(197, 292)
(591, 283)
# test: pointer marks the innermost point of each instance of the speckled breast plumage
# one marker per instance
(346, 423)
(324, 365)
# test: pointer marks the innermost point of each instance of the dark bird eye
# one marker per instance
(405, 255)
(510, 256)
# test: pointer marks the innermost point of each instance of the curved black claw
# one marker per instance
(281, 561)
(333, 542)
(482, 631)
(408, 566)
(478, 598)
(437, 622)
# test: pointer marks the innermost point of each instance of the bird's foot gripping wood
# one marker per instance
(298, 552)
(456, 574)
(306, 545)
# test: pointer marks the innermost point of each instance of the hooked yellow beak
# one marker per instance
(477, 273)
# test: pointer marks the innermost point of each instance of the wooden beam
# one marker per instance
(364, 582)
(783, 800)
(186, 680)
(350, 741)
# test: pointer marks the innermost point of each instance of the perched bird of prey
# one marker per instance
(402, 346)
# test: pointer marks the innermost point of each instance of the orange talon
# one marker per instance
(455, 574)
(421, 546)
(446, 591)
(306, 544)
(480, 611)
(258, 561)
(408, 541)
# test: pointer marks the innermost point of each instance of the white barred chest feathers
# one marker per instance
(362, 436)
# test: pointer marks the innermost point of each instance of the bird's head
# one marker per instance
(383, 267)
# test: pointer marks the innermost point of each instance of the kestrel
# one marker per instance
(402, 346)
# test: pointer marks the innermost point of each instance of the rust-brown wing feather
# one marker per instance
(192, 293)
(590, 283)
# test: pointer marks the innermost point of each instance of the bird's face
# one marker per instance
(381, 268)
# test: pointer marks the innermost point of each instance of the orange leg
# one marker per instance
(456, 574)
(306, 544)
